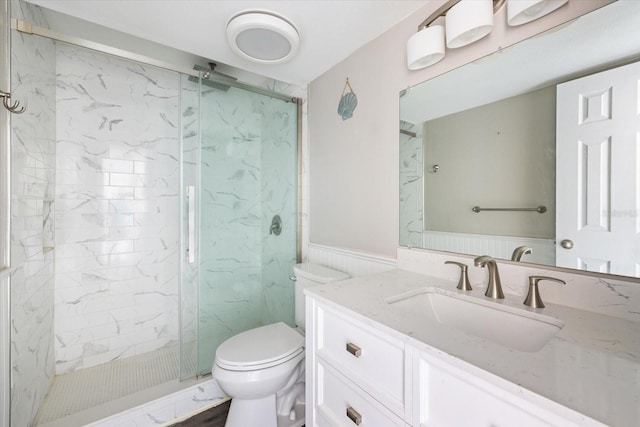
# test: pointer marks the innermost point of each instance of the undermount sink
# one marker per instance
(511, 327)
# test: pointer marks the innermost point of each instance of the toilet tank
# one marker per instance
(307, 275)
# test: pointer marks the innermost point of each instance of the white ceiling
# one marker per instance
(330, 30)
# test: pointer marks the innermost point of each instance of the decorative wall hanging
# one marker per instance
(348, 102)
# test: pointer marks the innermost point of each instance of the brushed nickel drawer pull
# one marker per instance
(354, 416)
(354, 349)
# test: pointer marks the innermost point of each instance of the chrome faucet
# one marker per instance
(519, 251)
(494, 286)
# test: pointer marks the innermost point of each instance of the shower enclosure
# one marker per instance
(243, 173)
(153, 215)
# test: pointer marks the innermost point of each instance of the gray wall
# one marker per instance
(496, 155)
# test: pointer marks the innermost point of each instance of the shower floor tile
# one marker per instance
(87, 388)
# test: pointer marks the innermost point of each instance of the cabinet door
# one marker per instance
(447, 396)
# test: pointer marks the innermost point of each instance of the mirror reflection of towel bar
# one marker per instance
(539, 209)
(408, 132)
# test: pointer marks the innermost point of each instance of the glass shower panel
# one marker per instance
(248, 177)
(190, 140)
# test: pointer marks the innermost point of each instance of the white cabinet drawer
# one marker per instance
(372, 360)
(340, 403)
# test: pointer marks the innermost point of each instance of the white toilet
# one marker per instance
(262, 369)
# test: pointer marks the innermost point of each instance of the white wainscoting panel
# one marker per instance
(351, 262)
(543, 250)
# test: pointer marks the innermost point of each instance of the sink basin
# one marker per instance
(503, 324)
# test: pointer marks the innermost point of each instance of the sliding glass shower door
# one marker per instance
(241, 181)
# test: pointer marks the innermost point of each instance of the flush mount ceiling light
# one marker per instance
(468, 21)
(262, 36)
(522, 11)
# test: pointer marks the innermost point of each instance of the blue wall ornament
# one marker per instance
(348, 102)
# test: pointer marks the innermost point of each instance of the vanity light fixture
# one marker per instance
(522, 11)
(426, 47)
(463, 22)
(262, 36)
(468, 21)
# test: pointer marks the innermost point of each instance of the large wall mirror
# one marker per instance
(532, 153)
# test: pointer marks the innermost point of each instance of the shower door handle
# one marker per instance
(191, 224)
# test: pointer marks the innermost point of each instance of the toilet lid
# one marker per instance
(259, 346)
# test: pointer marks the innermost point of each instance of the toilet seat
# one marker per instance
(260, 348)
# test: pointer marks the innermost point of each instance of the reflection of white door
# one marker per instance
(598, 172)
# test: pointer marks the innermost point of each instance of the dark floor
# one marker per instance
(214, 417)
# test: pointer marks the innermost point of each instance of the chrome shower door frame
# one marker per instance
(5, 217)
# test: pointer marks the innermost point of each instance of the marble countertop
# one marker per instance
(592, 365)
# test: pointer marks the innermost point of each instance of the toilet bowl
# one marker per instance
(258, 369)
(262, 369)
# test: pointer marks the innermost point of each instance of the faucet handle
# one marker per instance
(533, 296)
(463, 282)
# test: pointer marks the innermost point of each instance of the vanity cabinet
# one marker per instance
(358, 373)
(355, 374)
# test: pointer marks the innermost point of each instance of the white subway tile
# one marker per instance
(143, 167)
(131, 206)
(119, 166)
(116, 192)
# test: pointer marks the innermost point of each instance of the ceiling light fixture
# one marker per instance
(262, 36)
(522, 11)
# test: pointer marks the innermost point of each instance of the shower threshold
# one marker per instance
(90, 394)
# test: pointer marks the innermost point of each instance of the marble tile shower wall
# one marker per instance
(411, 186)
(117, 208)
(279, 197)
(32, 175)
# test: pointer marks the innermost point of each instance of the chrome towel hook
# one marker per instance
(13, 108)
